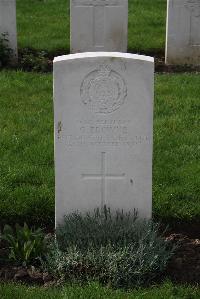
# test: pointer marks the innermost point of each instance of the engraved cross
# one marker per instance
(98, 8)
(194, 7)
(103, 176)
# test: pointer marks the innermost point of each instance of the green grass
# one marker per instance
(176, 183)
(147, 22)
(46, 24)
(26, 148)
(94, 291)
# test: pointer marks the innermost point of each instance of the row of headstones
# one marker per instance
(103, 108)
(101, 25)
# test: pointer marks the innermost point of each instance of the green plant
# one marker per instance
(35, 61)
(26, 245)
(5, 50)
(97, 228)
(114, 248)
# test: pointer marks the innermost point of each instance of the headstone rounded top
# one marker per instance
(103, 54)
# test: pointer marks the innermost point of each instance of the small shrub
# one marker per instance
(115, 249)
(97, 229)
(26, 246)
(5, 51)
(34, 61)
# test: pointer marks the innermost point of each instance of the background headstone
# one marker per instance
(103, 107)
(8, 24)
(99, 25)
(183, 32)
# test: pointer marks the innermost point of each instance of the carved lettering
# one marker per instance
(118, 140)
(105, 132)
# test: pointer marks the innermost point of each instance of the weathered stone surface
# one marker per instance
(99, 25)
(183, 32)
(103, 105)
(8, 24)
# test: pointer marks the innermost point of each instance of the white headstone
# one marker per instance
(183, 32)
(99, 25)
(103, 105)
(8, 24)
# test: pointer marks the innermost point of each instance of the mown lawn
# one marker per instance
(94, 291)
(176, 164)
(26, 148)
(45, 24)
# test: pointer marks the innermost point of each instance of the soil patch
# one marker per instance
(29, 275)
(184, 266)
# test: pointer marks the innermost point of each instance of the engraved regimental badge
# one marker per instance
(103, 90)
(194, 7)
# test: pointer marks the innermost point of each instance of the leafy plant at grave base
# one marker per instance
(116, 249)
(97, 229)
(26, 246)
(5, 51)
(35, 61)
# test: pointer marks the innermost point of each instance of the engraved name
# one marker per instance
(106, 132)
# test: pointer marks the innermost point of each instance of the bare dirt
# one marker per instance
(184, 267)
